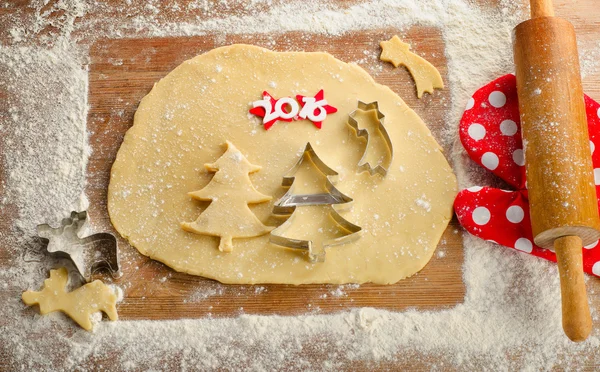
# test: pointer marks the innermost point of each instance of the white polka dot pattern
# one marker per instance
(481, 215)
(490, 160)
(596, 269)
(519, 157)
(470, 104)
(497, 99)
(524, 244)
(475, 188)
(477, 131)
(508, 127)
(515, 214)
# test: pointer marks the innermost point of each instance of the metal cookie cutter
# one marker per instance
(89, 254)
(363, 164)
(288, 204)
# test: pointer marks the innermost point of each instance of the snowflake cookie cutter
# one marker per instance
(89, 254)
(287, 206)
(364, 164)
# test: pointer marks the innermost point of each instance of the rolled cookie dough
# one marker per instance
(189, 115)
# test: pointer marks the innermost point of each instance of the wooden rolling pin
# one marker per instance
(560, 177)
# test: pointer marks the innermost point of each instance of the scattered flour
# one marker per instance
(423, 203)
(45, 144)
(510, 318)
(589, 59)
(340, 291)
(206, 293)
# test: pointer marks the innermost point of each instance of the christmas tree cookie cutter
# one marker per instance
(288, 202)
(288, 206)
(89, 254)
(364, 164)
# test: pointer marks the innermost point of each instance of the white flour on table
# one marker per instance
(510, 317)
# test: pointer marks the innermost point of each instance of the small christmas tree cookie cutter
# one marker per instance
(363, 164)
(89, 254)
(289, 202)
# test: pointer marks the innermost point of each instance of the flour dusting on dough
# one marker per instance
(151, 208)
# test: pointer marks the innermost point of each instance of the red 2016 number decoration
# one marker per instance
(315, 108)
(271, 110)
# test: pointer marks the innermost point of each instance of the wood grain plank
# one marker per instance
(123, 71)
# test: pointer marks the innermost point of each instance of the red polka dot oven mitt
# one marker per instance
(490, 131)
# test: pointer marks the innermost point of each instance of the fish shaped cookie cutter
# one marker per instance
(89, 254)
(363, 164)
(287, 204)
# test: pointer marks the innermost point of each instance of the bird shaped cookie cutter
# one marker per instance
(364, 164)
(89, 254)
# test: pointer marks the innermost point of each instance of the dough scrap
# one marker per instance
(426, 76)
(79, 304)
(230, 191)
(183, 122)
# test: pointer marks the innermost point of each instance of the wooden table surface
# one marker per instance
(116, 89)
(123, 70)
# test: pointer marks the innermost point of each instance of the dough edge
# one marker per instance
(135, 129)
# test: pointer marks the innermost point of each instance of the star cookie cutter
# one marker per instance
(89, 254)
(289, 203)
(363, 164)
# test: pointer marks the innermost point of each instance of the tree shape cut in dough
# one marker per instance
(313, 223)
(367, 121)
(426, 76)
(79, 304)
(230, 191)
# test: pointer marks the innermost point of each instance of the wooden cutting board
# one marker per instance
(123, 71)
